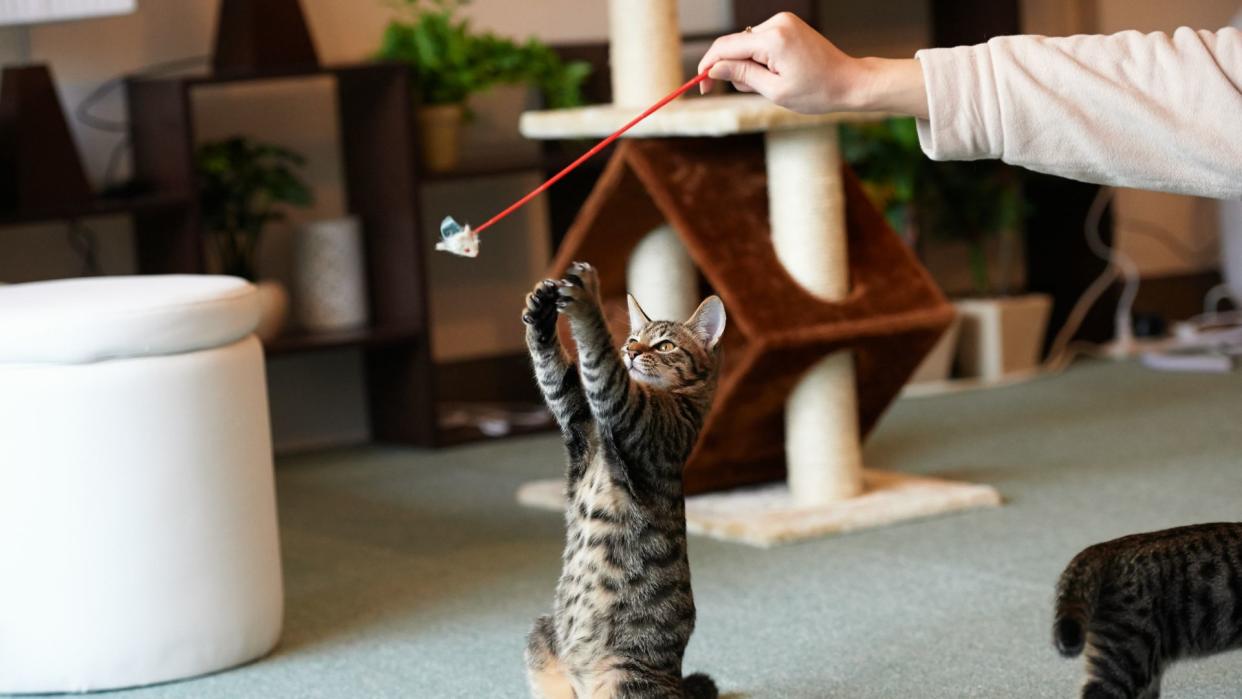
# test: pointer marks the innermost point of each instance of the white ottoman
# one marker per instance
(138, 539)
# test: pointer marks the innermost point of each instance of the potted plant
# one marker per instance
(450, 62)
(972, 206)
(242, 185)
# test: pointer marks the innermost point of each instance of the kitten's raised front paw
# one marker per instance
(578, 291)
(541, 309)
(585, 276)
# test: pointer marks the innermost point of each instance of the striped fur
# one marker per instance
(1138, 603)
(623, 610)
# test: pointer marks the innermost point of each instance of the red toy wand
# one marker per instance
(464, 241)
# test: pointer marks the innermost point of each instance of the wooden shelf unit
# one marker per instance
(297, 341)
(381, 181)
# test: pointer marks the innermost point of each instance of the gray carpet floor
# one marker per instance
(414, 574)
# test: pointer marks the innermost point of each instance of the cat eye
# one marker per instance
(665, 346)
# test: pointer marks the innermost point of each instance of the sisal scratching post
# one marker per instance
(645, 58)
(644, 50)
(662, 277)
(807, 213)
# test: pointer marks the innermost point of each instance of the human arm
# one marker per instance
(790, 63)
(1153, 111)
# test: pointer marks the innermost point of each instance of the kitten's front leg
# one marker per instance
(604, 376)
(557, 378)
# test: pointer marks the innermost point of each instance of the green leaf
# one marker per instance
(240, 183)
(450, 61)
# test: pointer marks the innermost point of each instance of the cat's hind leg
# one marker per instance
(624, 681)
(544, 672)
(1118, 671)
(1153, 689)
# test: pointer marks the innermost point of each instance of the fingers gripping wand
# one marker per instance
(464, 241)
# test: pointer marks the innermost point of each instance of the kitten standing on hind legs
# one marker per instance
(623, 610)
(1139, 603)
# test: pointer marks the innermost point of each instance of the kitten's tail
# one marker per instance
(1077, 592)
(699, 686)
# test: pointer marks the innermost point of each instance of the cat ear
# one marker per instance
(708, 322)
(637, 318)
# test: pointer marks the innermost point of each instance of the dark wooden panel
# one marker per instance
(379, 157)
(161, 131)
(100, 206)
(300, 341)
(966, 22)
(401, 393)
(40, 170)
(506, 378)
(1058, 260)
(381, 188)
(1175, 297)
(257, 35)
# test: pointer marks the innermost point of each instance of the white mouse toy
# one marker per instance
(457, 239)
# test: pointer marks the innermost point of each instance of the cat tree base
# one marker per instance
(767, 516)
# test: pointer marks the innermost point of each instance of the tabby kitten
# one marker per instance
(1140, 602)
(623, 610)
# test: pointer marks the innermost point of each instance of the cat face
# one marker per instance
(669, 355)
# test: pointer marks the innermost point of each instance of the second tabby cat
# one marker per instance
(1138, 603)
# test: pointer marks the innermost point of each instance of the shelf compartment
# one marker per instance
(100, 206)
(300, 341)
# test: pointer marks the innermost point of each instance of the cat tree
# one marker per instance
(819, 341)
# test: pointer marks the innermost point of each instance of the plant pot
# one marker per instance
(1001, 336)
(273, 309)
(330, 286)
(938, 363)
(439, 134)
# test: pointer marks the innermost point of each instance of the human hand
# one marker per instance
(793, 65)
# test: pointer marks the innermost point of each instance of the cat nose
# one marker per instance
(632, 350)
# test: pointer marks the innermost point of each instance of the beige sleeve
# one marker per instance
(1151, 111)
